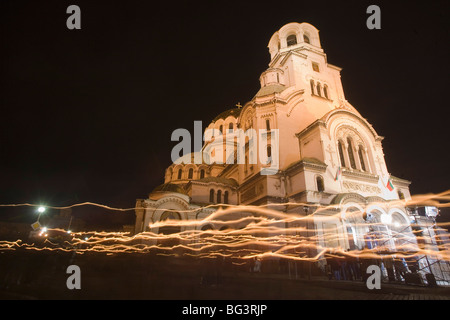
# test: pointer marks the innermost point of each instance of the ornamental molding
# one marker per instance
(292, 108)
(247, 118)
(353, 186)
(172, 199)
(267, 115)
(360, 175)
(272, 101)
(345, 131)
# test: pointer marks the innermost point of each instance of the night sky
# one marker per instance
(87, 115)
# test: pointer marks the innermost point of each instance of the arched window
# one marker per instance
(170, 229)
(320, 184)
(361, 158)
(207, 227)
(211, 195)
(306, 38)
(319, 90)
(221, 129)
(225, 197)
(269, 154)
(191, 173)
(312, 86)
(230, 127)
(350, 153)
(202, 173)
(180, 172)
(325, 91)
(351, 238)
(341, 153)
(291, 40)
(219, 196)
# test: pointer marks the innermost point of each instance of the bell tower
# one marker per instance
(298, 60)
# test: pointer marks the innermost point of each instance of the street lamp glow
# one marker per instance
(385, 218)
(41, 209)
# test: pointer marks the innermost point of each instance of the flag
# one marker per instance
(389, 185)
(338, 173)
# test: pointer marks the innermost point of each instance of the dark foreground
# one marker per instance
(30, 274)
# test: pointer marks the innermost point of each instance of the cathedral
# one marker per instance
(327, 155)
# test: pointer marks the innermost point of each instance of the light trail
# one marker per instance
(257, 232)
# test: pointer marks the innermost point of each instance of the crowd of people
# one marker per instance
(351, 267)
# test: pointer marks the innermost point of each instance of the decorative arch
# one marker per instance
(331, 117)
(246, 118)
(400, 213)
(345, 132)
(176, 172)
(306, 38)
(344, 198)
(353, 147)
(291, 39)
(320, 183)
(299, 29)
(352, 210)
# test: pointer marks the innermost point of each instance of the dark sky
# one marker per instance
(87, 114)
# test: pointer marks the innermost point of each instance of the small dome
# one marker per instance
(274, 88)
(227, 181)
(169, 187)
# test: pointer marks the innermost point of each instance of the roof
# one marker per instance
(169, 187)
(235, 112)
(230, 182)
(307, 160)
(273, 88)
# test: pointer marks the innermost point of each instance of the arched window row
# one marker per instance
(319, 89)
(224, 127)
(216, 197)
(189, 173)
(351, 155)
(292, 40)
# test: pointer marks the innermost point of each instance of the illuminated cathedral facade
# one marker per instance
(328, 155)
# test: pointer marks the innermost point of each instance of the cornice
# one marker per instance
(400, 181)
(360, 175)
(305, 164)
